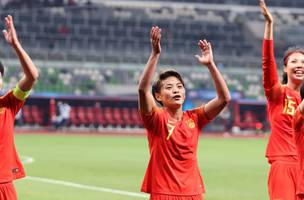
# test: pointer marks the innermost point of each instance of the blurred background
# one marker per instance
(90, 54)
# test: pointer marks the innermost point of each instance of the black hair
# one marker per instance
(1, 69)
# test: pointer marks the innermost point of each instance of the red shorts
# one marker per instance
(282, 180)
(7, 191)
(175, 197)
(300, 185)
(300, 197)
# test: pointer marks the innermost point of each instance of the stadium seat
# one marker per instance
(100, 118)
(90, 115)
(73, 117)
(81, 114)
(37, 115)
(136, 117)
(26, 115)
(108, 113)
(117, 117)
(127, 117)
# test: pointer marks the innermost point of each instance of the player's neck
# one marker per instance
(175, 113)
(293, 86)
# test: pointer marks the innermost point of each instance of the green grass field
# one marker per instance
(232, 169)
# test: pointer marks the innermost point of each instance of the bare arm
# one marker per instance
(146, 100)
(216, 105)
(268, 33)
(29, 68)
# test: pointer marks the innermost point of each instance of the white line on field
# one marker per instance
(87, 187)
(29, 160)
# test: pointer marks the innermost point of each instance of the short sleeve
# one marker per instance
(11, 102)
(201, 117)
(151, 120)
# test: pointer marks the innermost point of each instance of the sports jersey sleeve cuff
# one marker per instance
(20, 94)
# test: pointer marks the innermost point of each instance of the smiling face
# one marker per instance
(294, 67)
(172, 92)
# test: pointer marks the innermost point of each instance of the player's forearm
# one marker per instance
(30, 70)
(220, 84)
(268, 33)
(147, 75)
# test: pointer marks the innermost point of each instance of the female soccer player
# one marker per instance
(298, 122)
(10, 165)
(173, 172)
(282, 100)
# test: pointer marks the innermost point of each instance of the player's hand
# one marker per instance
(10, 31)
(155, 36)
(265, 11)
(206, 57)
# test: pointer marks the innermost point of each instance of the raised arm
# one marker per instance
(268, 33)
(146, 100)
(270, 74)
(29, 69)
(216, 105)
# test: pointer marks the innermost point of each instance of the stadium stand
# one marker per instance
(109, 29)
(99, 48)
(277, 3)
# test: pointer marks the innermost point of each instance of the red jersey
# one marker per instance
(282, 103)
(298, 122)
(173, 167)
(10, 165)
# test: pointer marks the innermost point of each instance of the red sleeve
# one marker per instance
(151, 120)
(12, 102)
(298, 120)
(200, 116)
(270, 75)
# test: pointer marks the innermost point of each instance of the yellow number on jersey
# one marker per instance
(289, 107)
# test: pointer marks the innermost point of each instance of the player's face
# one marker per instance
(172, 93)
(295, 68)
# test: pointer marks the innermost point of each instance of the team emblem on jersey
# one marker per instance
(190, 123)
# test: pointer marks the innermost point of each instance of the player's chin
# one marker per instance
(298, 79)
(178, 103)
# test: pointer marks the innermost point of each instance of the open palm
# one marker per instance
(265, 11)
(155, 36)
(206, 56)
(10, 32)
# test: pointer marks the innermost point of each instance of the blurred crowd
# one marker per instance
(41, 3)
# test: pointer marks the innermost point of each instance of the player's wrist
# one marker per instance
(210, 64)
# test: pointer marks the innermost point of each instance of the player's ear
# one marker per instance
(158, 96)
(285, 68)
